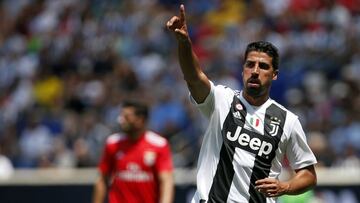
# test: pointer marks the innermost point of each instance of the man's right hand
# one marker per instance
(177, 24)
(198, 83)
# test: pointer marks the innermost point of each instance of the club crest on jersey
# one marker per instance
(149, 158)
(274, 123)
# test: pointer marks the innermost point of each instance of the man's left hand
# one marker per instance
(271, 187)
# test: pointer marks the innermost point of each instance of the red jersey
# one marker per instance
(134, 167)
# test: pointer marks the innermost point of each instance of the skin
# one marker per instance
(131, 124)
(258, 74)
(134, 126)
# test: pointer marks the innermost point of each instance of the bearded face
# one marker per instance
(129, 121)
(258, 74)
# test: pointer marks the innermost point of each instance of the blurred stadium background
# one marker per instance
(65, 65)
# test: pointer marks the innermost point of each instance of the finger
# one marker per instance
(272, 191)
(266, 186)
(269, 194)
(168, 24)
(262, 181)
(265, 181)
(172, 22)
(182, 13)
(272, 194)
(180, 32)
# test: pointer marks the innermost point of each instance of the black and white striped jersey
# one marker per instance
(244, 143)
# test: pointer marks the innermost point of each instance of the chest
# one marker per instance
(255, 131)
(135, 156)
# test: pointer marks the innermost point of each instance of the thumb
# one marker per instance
(181, 35)
(180, 32)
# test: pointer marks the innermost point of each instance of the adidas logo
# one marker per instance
(237, 115)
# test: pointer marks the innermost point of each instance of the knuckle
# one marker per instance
(174, 18)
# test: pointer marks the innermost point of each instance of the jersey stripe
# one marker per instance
(223, 178)
(273, 127)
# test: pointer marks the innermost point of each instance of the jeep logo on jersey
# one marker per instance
(252, 144)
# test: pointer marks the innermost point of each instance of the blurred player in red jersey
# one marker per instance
(136, 165)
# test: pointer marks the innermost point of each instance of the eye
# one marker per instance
(249, 64)
(264, 66)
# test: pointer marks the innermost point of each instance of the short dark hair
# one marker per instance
(141, 109)
(266, 47)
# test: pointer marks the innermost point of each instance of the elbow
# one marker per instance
(312, 178)
(314, 182)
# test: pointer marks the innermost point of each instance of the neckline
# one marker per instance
(248, 105)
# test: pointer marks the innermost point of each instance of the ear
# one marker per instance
(275, 74)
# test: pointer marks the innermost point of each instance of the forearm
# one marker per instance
(166, 188)
(303, 180)
(188, 61)
(195, 78)
(99, 192)
(198, 83)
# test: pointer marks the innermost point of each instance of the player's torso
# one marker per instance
(134, 175)
(134, 161)
(249, 142)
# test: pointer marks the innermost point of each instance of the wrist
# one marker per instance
(184, 41)
(287, 188)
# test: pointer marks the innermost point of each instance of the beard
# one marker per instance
(126, 128)
(254, 91)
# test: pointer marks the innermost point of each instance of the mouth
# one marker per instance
(253, 83)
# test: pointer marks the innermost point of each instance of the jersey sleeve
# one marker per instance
(298, 151)
(206, 107)
(217, 99)
(105, 164)
(164, 160)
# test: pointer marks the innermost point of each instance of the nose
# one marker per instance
(256, 69)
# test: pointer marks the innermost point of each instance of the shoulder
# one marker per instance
(115, 138)
(224, 88)
(224, 93)
(155, 139)
(290, 115)
(291, 120)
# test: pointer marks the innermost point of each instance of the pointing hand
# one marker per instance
(177, 24)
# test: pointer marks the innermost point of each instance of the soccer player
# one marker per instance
(136, 165)
(248, 134)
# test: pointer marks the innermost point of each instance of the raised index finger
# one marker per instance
(182, 13)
